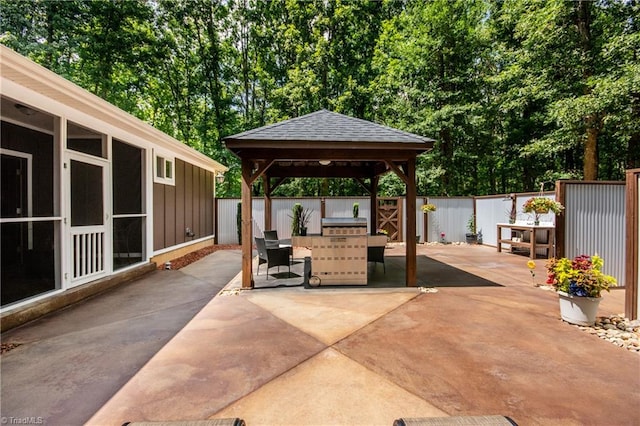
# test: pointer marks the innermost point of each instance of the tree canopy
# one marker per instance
(515, 92)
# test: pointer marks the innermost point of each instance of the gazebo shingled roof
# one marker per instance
(302, 147)
(327, 126)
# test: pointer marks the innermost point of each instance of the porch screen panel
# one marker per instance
(129, 217)
(29, 228)
(86, 194)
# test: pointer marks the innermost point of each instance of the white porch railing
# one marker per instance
(87, 251)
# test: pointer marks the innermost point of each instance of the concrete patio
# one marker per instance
(487, 342)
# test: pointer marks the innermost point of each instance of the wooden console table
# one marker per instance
(532, 244)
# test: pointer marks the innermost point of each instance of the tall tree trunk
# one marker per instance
(593, 122)
(633, 150)
(590, 167)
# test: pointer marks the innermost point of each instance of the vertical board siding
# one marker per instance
(188, 204)
(188, 196)
(208, 214)
(202, 220)
(158, 216)
(169, 215)
(180, 200)
(595, 223)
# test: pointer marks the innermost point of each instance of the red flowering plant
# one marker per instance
(581, 276)
(541, 205)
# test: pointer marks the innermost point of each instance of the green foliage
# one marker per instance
(471, 224)
(239, 222)
(296, 212)
(300, 219)
(514, 92)
(581, 276)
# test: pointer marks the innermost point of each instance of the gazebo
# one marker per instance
(332, 145)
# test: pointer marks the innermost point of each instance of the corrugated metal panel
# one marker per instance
(281, 212)
(227, 228)
(419, 219)
(595, 223)
(545, 219)
(451, 217)
(490, 212)
(529, 217)
(343, 207)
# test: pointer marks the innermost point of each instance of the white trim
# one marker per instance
(124, 216)
(179, 246)
(27, 125)
(160, 175)
(147, 183)
(105, 228)
(31, 219)
(43, 81)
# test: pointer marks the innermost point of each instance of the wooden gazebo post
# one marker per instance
(373, 203)
(246, 228)
(266, 183)
(410, 244)
(326, 144)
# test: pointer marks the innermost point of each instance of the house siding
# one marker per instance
(188, 204)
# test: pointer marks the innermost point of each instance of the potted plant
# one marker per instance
(579, 283)
(541, 205)
(471, 236)
(300, 219)
(383, 232)
(428, 208)
(356, 210)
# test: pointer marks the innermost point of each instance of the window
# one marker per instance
(164, 169)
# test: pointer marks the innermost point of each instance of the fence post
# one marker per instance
(561, 197)
(632, 297)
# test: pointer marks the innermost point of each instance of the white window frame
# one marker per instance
(166, 160)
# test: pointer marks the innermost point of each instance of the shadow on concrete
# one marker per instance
(391, 274)
(433, 273)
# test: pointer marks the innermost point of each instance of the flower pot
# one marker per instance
(578, 310)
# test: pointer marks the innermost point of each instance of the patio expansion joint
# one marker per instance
(375, 320)
(271, 379)
(391, 379)
(335, 346)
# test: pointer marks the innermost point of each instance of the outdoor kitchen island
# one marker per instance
(339, 255)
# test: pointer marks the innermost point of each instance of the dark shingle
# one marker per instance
(328, 126)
